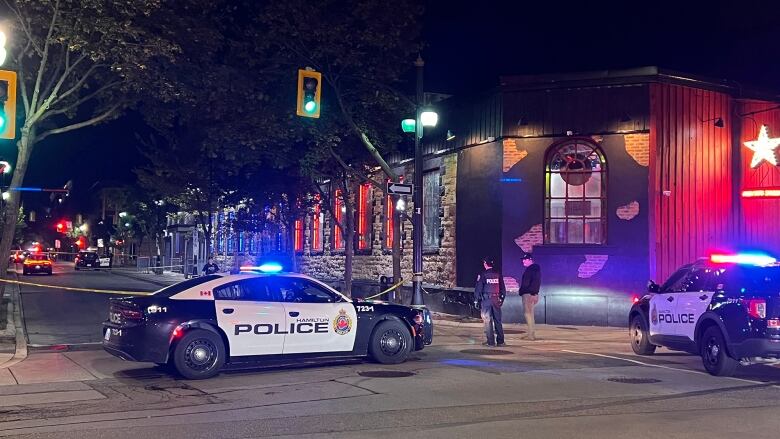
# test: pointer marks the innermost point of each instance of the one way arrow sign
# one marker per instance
(399, 189)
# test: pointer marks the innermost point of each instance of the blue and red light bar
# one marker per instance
(269, 267)
(757, 259)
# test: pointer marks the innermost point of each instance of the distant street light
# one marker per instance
(122, 214)
(5, 167)
(3, 52)
(6, 195)
(127, 224)
(83, 228)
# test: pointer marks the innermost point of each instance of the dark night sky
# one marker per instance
(469, 44)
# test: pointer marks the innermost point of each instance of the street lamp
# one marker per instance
(122, 214)
(83, 228)
(429, 118)
(6, 195)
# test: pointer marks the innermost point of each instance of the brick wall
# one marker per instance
(512, 154)
(438, 267)
(638, 147)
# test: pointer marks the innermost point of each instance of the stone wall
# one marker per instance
(438, 266)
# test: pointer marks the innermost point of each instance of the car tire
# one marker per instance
(390, 342)
(640, 337)
(714, 355)
(199, 354)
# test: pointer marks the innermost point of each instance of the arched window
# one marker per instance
(576, 196)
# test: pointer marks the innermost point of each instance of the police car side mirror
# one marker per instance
(653, 287)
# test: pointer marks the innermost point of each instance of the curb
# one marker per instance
(143, 278)
(15, 308)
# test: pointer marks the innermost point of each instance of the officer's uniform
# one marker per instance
(490, 292)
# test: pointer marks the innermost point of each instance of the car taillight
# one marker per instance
(125, 311)
(418, 319)
(773, 324)
(756, 308)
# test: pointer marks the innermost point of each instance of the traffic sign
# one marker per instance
(399, 188)
(57, 244)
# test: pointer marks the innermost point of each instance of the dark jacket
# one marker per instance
(210, 268)
(490, 286)
(532, 280)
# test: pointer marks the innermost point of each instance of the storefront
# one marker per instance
(609, 178)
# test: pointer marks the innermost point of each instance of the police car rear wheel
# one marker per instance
(199, 354)
(714, 355)
(390, 342)
(640, 338)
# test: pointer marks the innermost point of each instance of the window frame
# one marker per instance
(337, 242)
(550, 154)
(364, 218)
(436, 174)
(334, 296)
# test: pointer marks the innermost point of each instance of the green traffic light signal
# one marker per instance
(309, 93)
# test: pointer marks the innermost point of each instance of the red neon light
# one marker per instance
(389, 218)
(769, 192)
(316, 226)
(362, 217)
(299, 235)
(338, 241)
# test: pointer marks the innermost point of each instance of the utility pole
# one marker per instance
(417, 198)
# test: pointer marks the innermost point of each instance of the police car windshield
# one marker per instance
(750, 279)
(181, 286)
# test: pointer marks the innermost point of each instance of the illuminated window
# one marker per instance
(575, 200)
(389, 219)
(431, 208)
(338, 211)
(298, 235)
(316, 228)
(364, 217)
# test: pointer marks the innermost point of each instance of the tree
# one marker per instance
(79, 62)
(343, 40)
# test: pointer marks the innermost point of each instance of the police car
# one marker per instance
(199, 325)
(725, 308)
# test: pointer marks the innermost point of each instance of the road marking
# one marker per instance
(660, 366)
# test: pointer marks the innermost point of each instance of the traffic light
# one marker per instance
(7, 104)
(60, 227)
(80, 243)
(309, 91)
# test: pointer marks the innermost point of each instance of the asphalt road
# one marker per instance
(575, 382)
(55, 316)
(581, 384)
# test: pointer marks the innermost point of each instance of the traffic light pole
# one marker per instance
(417, 198)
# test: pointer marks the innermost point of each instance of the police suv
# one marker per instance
(725, 308)
(199, 325)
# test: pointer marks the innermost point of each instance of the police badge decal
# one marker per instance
(654, 316)
(343, 324)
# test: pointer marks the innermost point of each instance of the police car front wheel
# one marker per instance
(199, 354)
(714, 355)
(390, 343)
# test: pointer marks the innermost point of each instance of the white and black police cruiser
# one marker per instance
(725, 308)
(201, 324)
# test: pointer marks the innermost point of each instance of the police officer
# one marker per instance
(489, 293)
(529, 291)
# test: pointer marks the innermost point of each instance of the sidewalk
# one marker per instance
(13, 345)
(163, 280)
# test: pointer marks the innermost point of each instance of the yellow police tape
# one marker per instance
(398, 284)
(83, 290)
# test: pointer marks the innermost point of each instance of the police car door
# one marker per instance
(252, 317)
(694, 301)
(663, 304)
(318, 320)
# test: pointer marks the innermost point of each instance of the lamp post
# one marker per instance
(417, 197)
